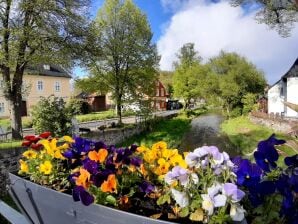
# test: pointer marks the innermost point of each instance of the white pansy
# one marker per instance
(181, 198)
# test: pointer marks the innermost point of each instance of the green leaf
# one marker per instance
(163, 199)
(111, 200)
(184, 212)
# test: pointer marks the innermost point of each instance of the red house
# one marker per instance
(160, 98)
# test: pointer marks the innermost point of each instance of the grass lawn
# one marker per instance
(10, 144)
(170, 131)
(26, 122)
(101, 115)
(245, 135)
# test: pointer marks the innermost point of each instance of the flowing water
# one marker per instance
(205, 130)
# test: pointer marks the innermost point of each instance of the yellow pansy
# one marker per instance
(30, 154)
(46, 167)
(163, 167)
(24, 166)
(142, 149)
(159, 146)
(68, 139)
(50, 146)
(150, 156)
(58, 155)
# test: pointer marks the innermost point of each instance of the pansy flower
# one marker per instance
(266, 154)
(146, 187)
(248, 174)
(79, 193)
(99, 156)
(109, 185)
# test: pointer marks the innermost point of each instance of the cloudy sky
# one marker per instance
(214, 26)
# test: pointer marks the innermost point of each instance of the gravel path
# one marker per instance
(205, 130)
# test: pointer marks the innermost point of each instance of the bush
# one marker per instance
(78, 106)
(51, 114)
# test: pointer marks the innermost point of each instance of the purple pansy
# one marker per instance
(146, 187)
(231, 190)
(266, 154)
(80, 194)
(248, 174)
(177, 173)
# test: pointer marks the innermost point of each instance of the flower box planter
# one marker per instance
(49, 206)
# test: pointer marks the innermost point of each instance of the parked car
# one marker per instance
(174, 105)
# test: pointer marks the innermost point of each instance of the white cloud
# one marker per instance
(215, 27)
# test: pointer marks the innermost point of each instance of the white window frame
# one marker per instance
(57, 84)
(37, 86)
(2, 108)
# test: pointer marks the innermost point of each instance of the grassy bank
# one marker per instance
(26, 122)
(245, 135)
(170, 131)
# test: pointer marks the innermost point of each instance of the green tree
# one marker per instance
(125, 62)
(35, 32)
(277, 14)
(237, 78)
(51, 114)
(188, 74)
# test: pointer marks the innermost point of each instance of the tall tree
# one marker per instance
(125, 61)
(277, 14)
(237, 78)
(188, 74)
(36, 32)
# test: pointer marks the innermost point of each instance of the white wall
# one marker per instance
(275, 104)
(292, 95)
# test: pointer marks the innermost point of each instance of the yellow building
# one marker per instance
(42, 81)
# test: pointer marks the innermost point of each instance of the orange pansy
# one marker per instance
(99, 156)
(109, 185)
(83, 179)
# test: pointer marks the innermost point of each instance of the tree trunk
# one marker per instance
(119, 113)
(16, 118)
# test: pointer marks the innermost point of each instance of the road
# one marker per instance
(93, 125)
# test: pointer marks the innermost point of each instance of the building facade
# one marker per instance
(42, 81)
(284, 90)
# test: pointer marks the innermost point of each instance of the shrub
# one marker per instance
(78, 106)
(51, 114)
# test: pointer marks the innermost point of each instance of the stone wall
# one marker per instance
(279, 125)
(8, 163)
(115, 136)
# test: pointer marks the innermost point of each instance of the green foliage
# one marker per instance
(189, 74)
(51, 114)
(239, 82)
(248, 101)
(77, 106)
(124, 61)
(278, 15)
(34, 33)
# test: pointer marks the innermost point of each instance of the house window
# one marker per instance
(57, 86)
(2, 109)
(157, 91)
(39, 85)
(282, 91)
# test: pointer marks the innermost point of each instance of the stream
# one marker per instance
(205, 130)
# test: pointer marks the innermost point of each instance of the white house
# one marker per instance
(284, 90)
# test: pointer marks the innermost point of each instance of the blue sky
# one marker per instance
(214, 26)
